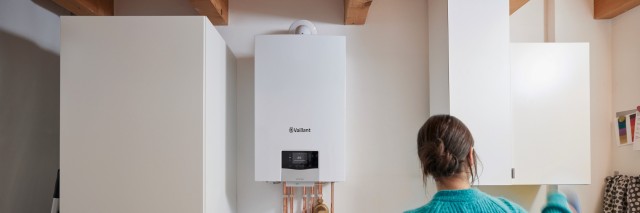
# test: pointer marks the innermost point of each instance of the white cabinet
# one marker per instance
(147, 116)
(469, 77)
(551, 113)
(527, 105)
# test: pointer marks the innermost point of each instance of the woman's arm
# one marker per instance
(556, 203)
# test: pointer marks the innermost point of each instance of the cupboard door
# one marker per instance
(550, 97)
(479, 82)
(144, 127)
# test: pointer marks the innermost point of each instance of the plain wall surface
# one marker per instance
(29, 104)
(626, 89)
(527, 24)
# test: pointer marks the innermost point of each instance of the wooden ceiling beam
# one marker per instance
(216, 10)
(514, 5)
(607, 9)
(87, 7)
(355, 11)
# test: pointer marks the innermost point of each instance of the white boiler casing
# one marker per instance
(300, 90)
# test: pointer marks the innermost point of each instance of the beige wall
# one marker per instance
(528, 23)
(626, 75)
(29, 104)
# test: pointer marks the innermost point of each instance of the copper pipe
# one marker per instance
(310, 200)
(313, 197)
(304, 199)
(284, 197)
(319, 184)
(332, 197)
(318, 192)
(291, 196)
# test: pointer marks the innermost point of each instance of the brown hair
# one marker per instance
(444, 143)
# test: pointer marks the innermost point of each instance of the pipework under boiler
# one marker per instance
(311, 202)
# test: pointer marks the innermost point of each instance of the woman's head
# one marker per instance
(445, 148)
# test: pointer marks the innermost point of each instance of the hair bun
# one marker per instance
(440, 162)
(445, 148)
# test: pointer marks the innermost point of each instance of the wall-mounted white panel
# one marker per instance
(469, 77)
(479, 81)
(551, 112)
(146, 116)
(300, 82)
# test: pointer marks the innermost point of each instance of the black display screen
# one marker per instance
(299, 159)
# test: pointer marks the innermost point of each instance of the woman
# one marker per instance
(445, 149)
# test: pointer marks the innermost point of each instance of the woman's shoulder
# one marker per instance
(511, 206)
(472, 200)
(422, 209)
(501, 202)
(500, 205)
(506, 204)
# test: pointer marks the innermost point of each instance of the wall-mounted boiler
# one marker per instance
(300, 90)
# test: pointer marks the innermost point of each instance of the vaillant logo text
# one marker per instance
(294, 130)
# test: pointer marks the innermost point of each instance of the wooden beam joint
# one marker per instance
(87, 7)
(216, 10)
(607, 9)
(356, 11)
(514, 5)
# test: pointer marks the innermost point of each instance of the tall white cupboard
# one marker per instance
(527, 105)
(147, 116)
(469, 77)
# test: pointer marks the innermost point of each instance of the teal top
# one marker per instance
(473, 200)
